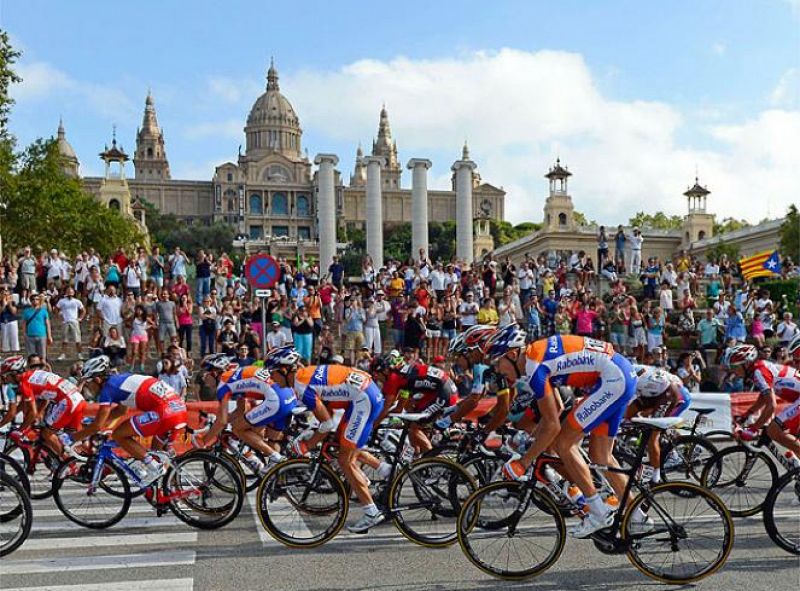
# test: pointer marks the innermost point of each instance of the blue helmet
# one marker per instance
(286, 356)
(504, 340)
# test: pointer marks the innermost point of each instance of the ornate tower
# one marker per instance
(150, 161)
(697, 224)
(558, 208)
(69, 160)
(385, 147)
(359, 176)
(114, 191)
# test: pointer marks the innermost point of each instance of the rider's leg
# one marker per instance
(125, 435)
(354, 475)
(252, 435)
(419, 439)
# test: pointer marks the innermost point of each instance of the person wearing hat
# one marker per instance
(276, 337)
(227, 338)
(636, 250)
(468, 310)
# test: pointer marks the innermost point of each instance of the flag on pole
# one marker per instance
(763, 264)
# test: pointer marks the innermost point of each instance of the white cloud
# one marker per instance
(719, 49)
(227, 129)
(520, 109)
(233, 91)
(787, 90)
(203, 171)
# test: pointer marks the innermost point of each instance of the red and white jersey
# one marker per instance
(781, 379)
(39, 384)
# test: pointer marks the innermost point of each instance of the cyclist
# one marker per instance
(657, 392)
(793, 349)
(466, 353)
(785, 428)
(579, 362)
(241, 384)
(163, 412)
(321, 389)
(44, 393)
(770, 379)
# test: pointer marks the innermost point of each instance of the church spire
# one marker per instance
(272, 76)
(465, 151)
(150, 159)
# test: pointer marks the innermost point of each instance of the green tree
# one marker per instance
(46, 208)
(729, 224)
(720, 248)
(503, 232)
(168, 231)
(581, 220)
(8, 57)
(790, 234)
(656, 221)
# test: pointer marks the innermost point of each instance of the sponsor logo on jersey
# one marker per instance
(423, 384)
(585, 412)
(580, 360)
(356, 424)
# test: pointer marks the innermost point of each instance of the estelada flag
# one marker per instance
(763, 264)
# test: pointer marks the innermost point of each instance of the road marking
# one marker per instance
(262, 533)
(75, 563)
(109, 540)
(57, 512)
(157, 584)
(134, 523)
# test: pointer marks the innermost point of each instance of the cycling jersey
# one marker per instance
(275, 410)
(248, 382)
(478, 371)
(66, 405)
(789, 418)
(340, 386)
(781, 379)
(654, 382)
(164, 410)
(431, 388)
(582, 362)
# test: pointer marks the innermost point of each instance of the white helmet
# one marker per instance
(96, 367)
(507, 338)
(282, 357)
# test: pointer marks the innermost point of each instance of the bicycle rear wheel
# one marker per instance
(205, 491)
(16, 514)
(87, 505)
(741, 478)
(10, 466)
(691, 537)
(40, 472)
(684, 458)
(425, 500)
(302, 503)
(782, 512)
(510, 531)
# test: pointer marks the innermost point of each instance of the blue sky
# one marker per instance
(634, 96)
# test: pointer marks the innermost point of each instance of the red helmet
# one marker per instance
(15, 364)
(739, 355)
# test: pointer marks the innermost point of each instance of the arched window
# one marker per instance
(701, 234)
(302, 205)
(280, 204)
(256, 204)
(562, 219)
(114, 204)
(687, 237)
(149, 152)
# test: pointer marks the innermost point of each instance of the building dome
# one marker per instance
(69, 159)
(272, 124)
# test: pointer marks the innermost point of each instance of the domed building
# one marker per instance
(271, 192)
(69, 160)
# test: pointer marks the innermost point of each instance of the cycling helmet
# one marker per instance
(96, 367)
(472, 338)
(739, 355)
(382, 363)
(505, 339)
(218, 361)
(282, 357)
(14, 364)
(794, 347)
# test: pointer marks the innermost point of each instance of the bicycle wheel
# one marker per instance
(16, 514)
(782, 512)
(510, 531)
(200, 500)
(90, 505)
(425, 500)
(40, 473)
(692, 534)
(741, 478)
(685, 457)
(301, 503)
(113, 486)
(10, 466)
(483, 469)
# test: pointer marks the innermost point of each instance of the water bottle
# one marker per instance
(408, 453)
(387, 444)
(575, 496)
(521, 441)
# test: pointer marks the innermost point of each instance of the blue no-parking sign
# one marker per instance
(262, 271)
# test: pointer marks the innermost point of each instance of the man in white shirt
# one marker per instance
(787, 329)
(437, 279)
(669, 275)
(109, 308)
(55, 269)
(276, 337)
(468, 310)
(133, 278)
(636, 242)
(72, 313)
(711, 268)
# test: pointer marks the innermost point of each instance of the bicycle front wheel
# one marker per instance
(685, 458)
(690, 537)
(510, 531)
(38, 465)
(741, 478)
(782, 512)
(302, 503)
(425, 500)
(16, 514)
(204, 491)
(86, 503)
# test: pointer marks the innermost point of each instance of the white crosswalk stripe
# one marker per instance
(156, 584)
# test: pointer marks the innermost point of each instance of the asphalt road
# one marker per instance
(162, 554)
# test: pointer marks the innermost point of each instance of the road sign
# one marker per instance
(262, 271)
(263, 293)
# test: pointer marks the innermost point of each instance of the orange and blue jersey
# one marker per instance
(249, 382)
(342, 387)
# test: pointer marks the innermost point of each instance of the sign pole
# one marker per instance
(263, 327)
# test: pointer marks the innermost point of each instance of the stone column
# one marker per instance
(463, 170)
(419, 205)
(326, 209)
(374, 210)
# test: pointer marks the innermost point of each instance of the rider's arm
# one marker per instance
(29, 412)
(104, 415)
(10, 413)
(767, 412)
(500, 411)
(219, 424)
